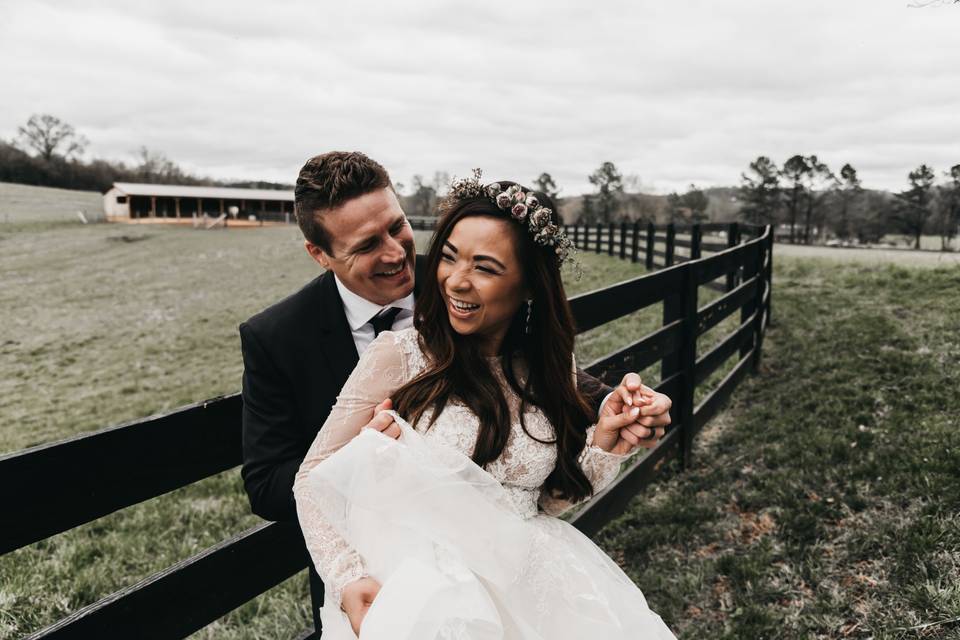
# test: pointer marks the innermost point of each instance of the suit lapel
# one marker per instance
(336, 340)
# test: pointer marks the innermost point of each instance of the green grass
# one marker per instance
(26, 206)
(823, 503)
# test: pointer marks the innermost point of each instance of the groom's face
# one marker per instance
(371, 247)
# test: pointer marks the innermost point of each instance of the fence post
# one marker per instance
(733, 238)
(769, 276)
(635, 247)
(696, 235)
(576, 236)
(682, 305)
(599, 235)
(751, 267)
(758, 303)
(610, 239)
(623, 240)
(671, 238)
(651, 240)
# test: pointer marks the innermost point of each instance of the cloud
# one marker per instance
(672, 92)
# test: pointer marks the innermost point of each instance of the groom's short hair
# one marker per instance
(329, 180)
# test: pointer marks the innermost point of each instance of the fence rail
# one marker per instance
(81, 479)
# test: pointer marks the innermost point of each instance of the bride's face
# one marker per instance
(481, 278)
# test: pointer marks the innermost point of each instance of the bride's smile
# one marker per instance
(481, 278)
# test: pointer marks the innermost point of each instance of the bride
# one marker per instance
(449, 529)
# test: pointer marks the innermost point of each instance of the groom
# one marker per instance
(298, 353)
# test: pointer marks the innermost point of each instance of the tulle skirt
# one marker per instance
(456, 561)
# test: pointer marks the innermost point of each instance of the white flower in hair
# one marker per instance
(519, 211)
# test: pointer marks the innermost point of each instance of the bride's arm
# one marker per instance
(380, 371)
(601, 468)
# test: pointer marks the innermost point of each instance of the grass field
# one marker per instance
(822, 504)
(22, 205)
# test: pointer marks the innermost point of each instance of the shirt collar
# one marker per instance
(359, 310)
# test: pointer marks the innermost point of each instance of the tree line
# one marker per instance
(47, 152)
(808, 198)
(804, 195)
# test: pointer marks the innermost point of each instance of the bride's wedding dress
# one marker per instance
(460, 551)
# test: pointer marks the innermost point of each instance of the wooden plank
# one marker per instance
(193, 593)
(713, 246)
(638, 355)
(611, 502)
(713, 226)
(712, 314)
(724, 262)
(89, 476)
(598, 307)
(719, 354)
(679, 242)
(715, 286)
(714, 402)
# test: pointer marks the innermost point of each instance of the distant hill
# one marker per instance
(24, 203)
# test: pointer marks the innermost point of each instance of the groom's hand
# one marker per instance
(653, 415)
(383, 421)
(356, 600)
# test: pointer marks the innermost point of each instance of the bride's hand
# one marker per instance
(615, 431)
(356, 600)
(382, 421)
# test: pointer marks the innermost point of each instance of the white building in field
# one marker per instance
(129, 201)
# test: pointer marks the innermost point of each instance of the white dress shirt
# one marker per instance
(360, 311)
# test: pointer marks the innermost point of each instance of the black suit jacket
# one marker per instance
(297, 355)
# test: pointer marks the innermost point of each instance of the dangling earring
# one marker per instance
(526, 328)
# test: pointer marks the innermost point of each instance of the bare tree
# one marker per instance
(49, 136)
(423, 200)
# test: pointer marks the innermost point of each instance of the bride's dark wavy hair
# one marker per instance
(458, 369)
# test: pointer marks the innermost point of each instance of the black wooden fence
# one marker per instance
(52, 488)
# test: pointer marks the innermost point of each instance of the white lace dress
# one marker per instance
(460, 551)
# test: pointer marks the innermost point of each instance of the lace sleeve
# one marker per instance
(601, 468)
(380, 371)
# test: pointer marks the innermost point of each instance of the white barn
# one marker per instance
(129, 201)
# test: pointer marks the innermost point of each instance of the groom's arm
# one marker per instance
(594, 390)
(272, 443)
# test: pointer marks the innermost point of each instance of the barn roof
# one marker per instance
(182, 191)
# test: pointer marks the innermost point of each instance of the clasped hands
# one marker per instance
(634, 415)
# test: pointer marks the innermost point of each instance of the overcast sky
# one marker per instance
(672, 91)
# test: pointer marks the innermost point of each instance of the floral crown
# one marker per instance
(524, 207)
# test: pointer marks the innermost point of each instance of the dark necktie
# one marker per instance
(383, 321)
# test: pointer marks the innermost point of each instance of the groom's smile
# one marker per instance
(372, 249)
